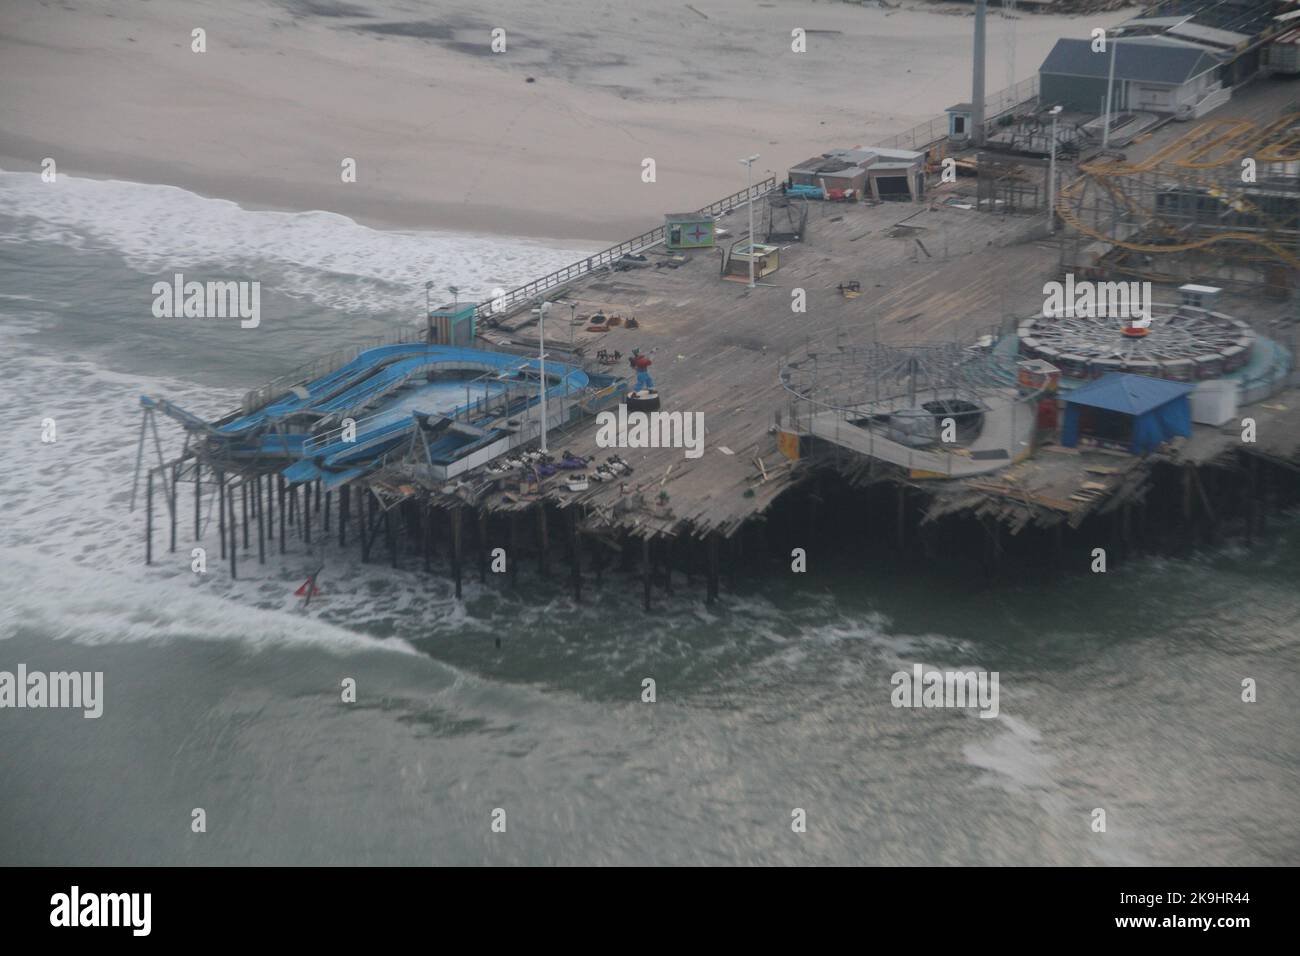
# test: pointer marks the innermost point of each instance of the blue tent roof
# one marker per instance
(1131, 394)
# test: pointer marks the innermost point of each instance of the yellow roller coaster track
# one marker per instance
(1235, 139)
(1067, 214)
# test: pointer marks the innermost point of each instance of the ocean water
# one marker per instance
(1118, 691)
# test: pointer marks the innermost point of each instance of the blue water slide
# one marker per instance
(369, 380)
(343, 378)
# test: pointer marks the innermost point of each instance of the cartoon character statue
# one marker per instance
(644, 383)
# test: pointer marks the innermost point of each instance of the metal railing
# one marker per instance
(263, 395)
(607, 257)
(924, 135)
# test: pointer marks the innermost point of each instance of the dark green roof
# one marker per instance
(1141, 59)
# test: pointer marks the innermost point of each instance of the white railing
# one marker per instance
(315, 443)
(263, 395)
(607, 257)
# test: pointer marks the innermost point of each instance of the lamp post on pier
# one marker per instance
(1051, 178)
(748, 163)
(1110, 85)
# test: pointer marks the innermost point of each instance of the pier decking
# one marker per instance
(895, 273)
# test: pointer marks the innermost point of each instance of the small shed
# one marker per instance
(452, 325)
(1200, 296)
(688, 230)
(842, 169)
(959, 122)
(876, 171)
(1135, 413)
(896, 179)
(766, 260)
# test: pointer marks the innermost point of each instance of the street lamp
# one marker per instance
(1051, 178)
(1110, 84)
(428, 312)
(748, 163)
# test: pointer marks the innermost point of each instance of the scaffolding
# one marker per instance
(1006, 184)
(1193, 210)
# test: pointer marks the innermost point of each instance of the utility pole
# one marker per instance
(1051, 178)
(748, 163)
(1110, 85)
(977, 81)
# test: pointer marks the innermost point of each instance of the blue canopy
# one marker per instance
(1159, 408)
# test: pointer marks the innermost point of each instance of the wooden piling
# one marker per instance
(1250, 468)
(172, 497)
(221, 510)
(645, 572)
(390, 537)
(345, 505)
(482, 546)
(243, 504)
(198, 499)
(1262, 483)
(513, 558)
(306, 513)
(261, 520)
(367, 527)
(455, 547)
(668, 565)
(1126, 529)
(326, 513)
(148, 518)
(280, 491)
(234, 534)
(900, 530)
(712, 586)
(575, 556)
(426, 530)
(543, 541)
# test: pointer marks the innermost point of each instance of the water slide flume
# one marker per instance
(339, 426)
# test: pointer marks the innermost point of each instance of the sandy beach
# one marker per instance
(447, 134)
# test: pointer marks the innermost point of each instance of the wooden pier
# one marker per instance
(926, 271)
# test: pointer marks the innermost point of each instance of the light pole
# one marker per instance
(1051, 178)
(1110, 84)
(541, 360)
(748, 163)
(428, 312)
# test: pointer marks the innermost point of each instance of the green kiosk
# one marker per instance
(688, 230)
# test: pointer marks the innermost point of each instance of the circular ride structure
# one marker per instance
(903, 392)
(1184, 343)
